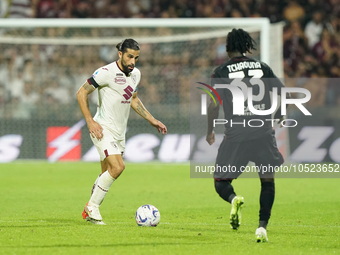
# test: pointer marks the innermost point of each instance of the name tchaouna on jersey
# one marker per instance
(243, 65)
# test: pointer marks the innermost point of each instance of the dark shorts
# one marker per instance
(233, 157)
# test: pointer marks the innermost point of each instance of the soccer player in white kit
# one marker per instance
(117, 90)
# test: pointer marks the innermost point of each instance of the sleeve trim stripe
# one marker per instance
(92, 82)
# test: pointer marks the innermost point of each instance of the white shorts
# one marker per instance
(108, 145)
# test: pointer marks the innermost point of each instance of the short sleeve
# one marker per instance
(138, 79)
(215, 74)
(100, 77)
(273, 80)
(215, 79)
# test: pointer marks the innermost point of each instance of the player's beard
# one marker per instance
(126, 68)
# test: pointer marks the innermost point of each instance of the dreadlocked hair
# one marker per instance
(239, 40)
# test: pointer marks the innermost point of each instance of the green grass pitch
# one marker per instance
(41, 206)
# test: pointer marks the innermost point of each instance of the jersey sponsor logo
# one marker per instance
(120, 80)
(119, 74)
(125, 102)
(128, 91)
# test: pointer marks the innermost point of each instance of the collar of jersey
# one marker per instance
(127, 75)
(237, 57)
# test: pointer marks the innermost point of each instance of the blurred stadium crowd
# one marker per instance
(40, 81)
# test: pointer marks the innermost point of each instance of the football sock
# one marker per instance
(104, 183)
(225, 190)
(94, 185)
(266, 202)
(263, 224)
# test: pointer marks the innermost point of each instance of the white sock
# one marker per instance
(103, 185)
(95, 184)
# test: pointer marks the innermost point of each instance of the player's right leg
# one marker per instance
(226, 192)
(115, 168)
(104, 167)
(231, 155)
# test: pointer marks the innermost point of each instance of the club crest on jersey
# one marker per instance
(134, 78)
(120, 80)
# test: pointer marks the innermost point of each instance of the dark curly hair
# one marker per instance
(239, 40)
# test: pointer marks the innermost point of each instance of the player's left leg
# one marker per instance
(267, 155)
(267, 197)
(104, 166)
(115, 168)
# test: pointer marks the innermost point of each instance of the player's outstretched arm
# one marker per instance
(139, 108)
(212, 114)
(82, 96)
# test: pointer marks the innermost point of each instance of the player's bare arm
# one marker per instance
(139, 108)
(82, 96)
(212, 114)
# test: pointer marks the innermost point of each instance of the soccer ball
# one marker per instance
(147, 216)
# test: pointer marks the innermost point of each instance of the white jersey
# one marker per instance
(115, 91)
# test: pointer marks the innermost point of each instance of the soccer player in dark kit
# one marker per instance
(243, 142)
